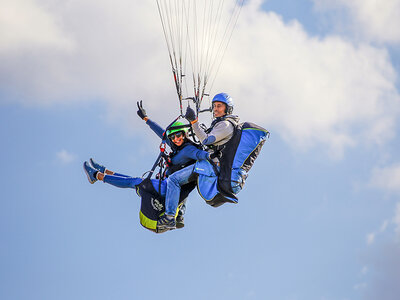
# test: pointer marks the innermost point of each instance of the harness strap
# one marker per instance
(162, 145)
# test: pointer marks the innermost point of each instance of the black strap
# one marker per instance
(215, 168)
(156, 163)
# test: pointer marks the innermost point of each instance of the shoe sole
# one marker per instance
(180, 225)
(162, 227)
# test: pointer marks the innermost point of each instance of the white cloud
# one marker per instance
(370, 238)
(360, 286)
(396, 219)
(384, 262)
(364, 270)
(65, 157)
(384, 226)
(387, 178)
(25, 25)
(375, 20)
(312, 91)
(118, 52)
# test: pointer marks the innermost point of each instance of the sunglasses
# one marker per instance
(175, 135)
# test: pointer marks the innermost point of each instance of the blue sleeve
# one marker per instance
(202, 155)
(188, 153)
(156, 128)
(210, 140)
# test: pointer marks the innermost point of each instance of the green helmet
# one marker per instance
(172, 130)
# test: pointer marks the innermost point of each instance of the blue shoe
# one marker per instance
(90, 172)
(166, 222)
(98, 167)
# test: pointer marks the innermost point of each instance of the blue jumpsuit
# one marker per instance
(184, 155)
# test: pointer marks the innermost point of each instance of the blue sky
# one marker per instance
(319, 217)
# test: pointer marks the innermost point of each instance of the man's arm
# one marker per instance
(221, 133)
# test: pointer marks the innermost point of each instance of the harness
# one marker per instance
(218, 150)
(153, 204)
(236, 157)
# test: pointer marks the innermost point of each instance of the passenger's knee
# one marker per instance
(172, 180)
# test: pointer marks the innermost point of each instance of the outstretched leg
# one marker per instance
(120, 181)
(95, 171)
(104, 170)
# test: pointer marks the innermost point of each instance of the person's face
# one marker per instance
(219, 109)
(177, 138)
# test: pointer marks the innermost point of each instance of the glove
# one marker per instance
(141, 112)
(190, 115)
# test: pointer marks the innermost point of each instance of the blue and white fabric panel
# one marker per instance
(249, 141)
(207, 182)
